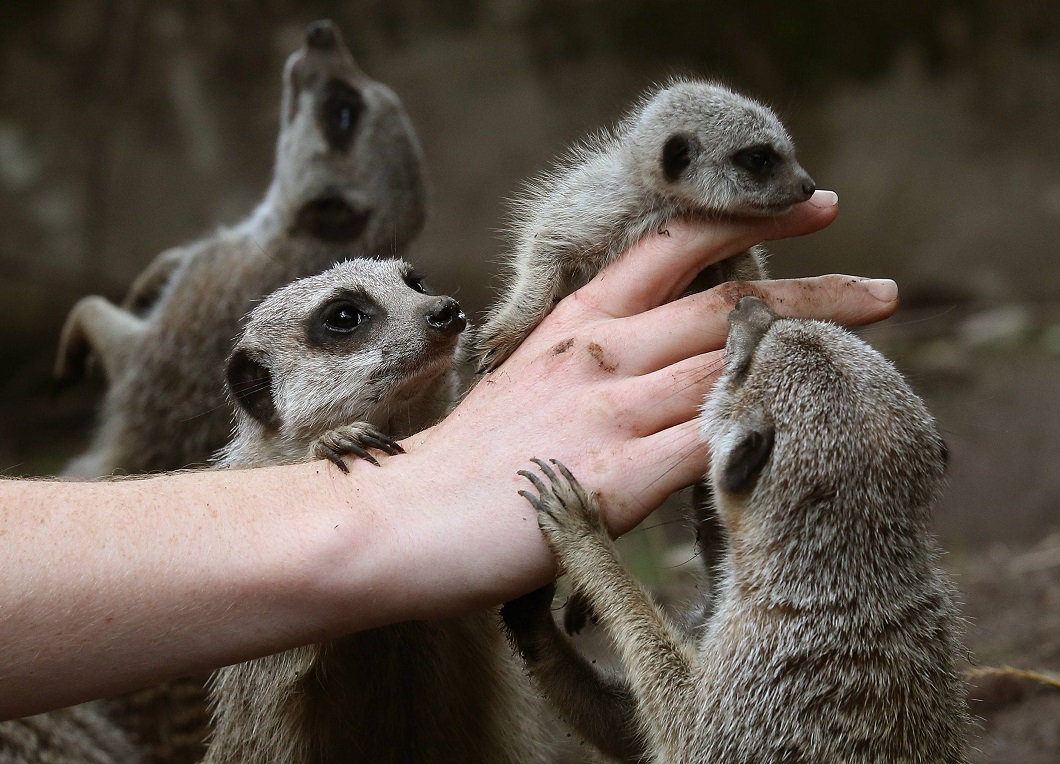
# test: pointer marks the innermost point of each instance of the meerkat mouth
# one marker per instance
(409, 376)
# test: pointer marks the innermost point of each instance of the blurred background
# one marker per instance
(128, 126)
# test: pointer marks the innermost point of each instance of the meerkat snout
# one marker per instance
(321, 34)
(447, 317)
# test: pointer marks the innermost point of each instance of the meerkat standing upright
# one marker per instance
(691, 149)
(362, 343)
(349, 180)
(836, 637)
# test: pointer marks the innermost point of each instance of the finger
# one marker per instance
(698, 323)
(670, 396)
(659, 267)
(674, 459)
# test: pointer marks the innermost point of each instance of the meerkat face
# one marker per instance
(715, 149)
(355, 343)
(808, 414)
(345, 147)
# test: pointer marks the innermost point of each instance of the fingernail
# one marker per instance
(883, 290)
(822, 198)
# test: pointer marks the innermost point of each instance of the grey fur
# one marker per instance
(610, 192)
(393, 372)
(836, 637)
(445, 691)
(78, 735)
(164, 352)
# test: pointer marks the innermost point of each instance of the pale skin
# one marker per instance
(112, 586)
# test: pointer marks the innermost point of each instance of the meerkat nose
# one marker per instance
(446, 316)
(320, 34)
(808, 187)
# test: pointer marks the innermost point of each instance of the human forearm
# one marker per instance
(112, 585)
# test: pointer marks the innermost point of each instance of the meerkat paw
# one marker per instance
(493, 349)
(500, 336)
(353, 439)
(566, 513)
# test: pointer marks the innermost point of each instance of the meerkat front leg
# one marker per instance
(537, 289)
(657, 660)
(353, 439)
(95, 327)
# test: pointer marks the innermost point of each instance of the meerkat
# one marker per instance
(835, 637)
(349, 180)
(690, 149)
(78, 735)
(363, 343)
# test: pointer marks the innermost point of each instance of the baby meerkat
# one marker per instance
(691, 149)
(836, 637)
(363, 342)
(349, 180)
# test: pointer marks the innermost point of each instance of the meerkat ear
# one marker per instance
(251, 386)
(677, 155)
(745, 462)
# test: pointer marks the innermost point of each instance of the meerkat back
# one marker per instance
(349, 179)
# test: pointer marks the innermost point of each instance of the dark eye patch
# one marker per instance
(341, 319)
(339, 113)
(758, 160)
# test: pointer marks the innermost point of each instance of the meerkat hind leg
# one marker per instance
(657, 659)
(598, 706)
(353, 439)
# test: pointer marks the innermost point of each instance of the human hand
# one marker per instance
(610, 383)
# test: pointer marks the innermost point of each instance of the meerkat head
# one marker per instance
(363, 341)
(348, 163)
(808, 424)
(715, 149)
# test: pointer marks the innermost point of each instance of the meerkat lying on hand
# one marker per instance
(363, 343)
(836, 637)
(691, 149)
(349, 180)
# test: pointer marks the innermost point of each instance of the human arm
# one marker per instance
(110, 586)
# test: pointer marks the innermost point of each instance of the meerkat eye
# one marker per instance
(415, 281)
(342, 318)
(758, 160)
(339, 112)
